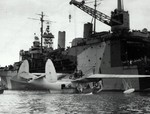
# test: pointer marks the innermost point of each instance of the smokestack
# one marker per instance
(61, 39)
(87, 30)
(120, 5)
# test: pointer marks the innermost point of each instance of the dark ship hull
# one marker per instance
(1, 91)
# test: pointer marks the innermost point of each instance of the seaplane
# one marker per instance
(54, 82)
(91, 84)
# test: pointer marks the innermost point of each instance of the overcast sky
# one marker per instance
(17, 31)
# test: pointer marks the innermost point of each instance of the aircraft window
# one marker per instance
(63, 86)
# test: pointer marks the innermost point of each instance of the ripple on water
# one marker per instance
(42, 102)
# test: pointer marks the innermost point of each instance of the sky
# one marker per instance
(17, 30)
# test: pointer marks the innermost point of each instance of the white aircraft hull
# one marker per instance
(64, 91)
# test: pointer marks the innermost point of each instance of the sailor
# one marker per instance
(75, 74)
(79, 88)
(80, 73)
(98, 86)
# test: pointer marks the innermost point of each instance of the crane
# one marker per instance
(119, 18)
(94, 13)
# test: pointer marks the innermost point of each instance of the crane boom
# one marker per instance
(94, 13)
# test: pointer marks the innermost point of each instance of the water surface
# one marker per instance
(43, 102)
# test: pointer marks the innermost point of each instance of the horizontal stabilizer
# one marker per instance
(36, 79)
(39, 77)
(27, 76)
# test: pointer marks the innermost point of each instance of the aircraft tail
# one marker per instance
(24, 68)
(50, 71)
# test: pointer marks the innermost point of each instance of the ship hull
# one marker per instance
(98, 58)
(1, 91)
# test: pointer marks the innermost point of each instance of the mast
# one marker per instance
(95, 5)
(42, 15)
(44, 35)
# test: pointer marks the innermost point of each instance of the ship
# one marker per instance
(119, 51)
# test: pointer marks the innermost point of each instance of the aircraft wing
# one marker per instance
(26, 75)
(30, 76)
(96, 77)
(38, 74)
(36, 78)
(116, 76)
(84, 80)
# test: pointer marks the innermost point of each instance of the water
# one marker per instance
(42, 102)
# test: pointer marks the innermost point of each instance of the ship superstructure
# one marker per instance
(42, 49)
(119, 23)
(119, 51)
